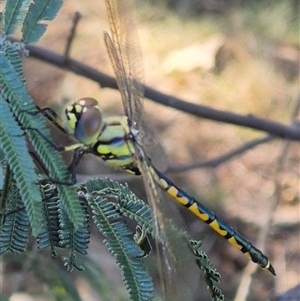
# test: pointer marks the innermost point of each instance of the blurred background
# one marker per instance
(236, 56)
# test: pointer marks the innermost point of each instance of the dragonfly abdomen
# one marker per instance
(211, 219)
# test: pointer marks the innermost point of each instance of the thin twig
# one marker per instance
(250, 121)
(77, 17)
(214, 163)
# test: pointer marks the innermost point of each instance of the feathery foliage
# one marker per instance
(210, 274)
(119, 239)
(14, 15)
(38, 12)
(58, 232)
(16, 225)
(20, 117)
(12, 140)
(31, 15)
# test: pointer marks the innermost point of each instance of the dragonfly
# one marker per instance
(117, 139)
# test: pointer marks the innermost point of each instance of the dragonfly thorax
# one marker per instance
(115, 145)
(83, 119)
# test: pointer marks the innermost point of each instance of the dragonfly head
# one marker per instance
(83, 119)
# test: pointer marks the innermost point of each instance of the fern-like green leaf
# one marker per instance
(16, 226)
(14, 14)
(39, 11)
(135, 276)
(121, 245)
(23, 108)
(12, 53)
(128, 203)
(211, 275)
(49, 237)
(5, 185)
(13, 143)
(2, 162)
(71, 238)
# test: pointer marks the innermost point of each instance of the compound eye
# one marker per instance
(87, 102)
(89, 123)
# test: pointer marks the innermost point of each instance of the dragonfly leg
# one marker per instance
(77, 156)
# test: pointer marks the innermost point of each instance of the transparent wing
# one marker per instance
(125, 55)
(126, 58)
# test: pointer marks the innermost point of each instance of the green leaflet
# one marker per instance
(14, 14)
(23, 112)
(12, 142)
(31, 15)
(39, 12)
(210, 274)
(128, 203)
(19, 115)
(71, 238)
(120, 243)
(49, 236)
(16, 225)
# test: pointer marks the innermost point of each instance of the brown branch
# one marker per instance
(272, 127)
(216, 162)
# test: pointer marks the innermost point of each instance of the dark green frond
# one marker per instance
(128, 203)
(121, 245)
(12, 52)
(59, 230)
(71, 238)
(69, 199)
(13, 143)
(5, 186)
(16, 226)
(14, 14)
(211, 275)
(49, 236)
(26, 114)
(39, 12)
(136, 209)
